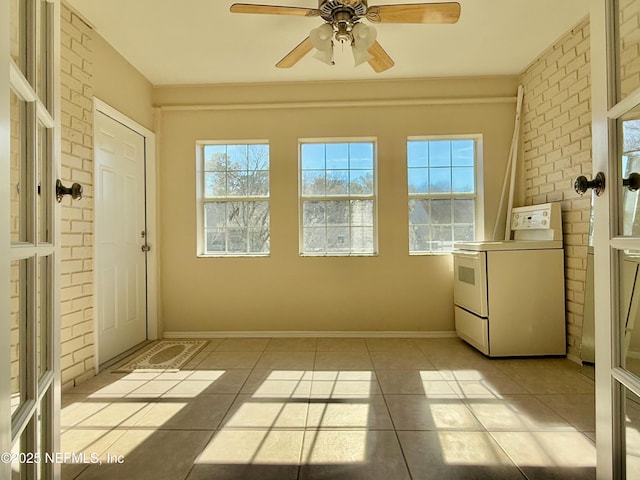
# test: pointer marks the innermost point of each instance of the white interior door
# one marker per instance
(615, 42)
(120, 237)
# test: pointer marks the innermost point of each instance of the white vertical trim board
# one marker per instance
(56, 349)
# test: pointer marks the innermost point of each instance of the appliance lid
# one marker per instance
(508, 245)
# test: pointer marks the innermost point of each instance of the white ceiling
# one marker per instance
(175, 42)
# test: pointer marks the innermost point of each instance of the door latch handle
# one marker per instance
(633, 182)
(74, 190)
(582, 184)
(145, 248)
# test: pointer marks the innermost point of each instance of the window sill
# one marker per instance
(322, 255)
(252, 255)
(429, 254)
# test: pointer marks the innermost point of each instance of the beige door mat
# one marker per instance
(163, 355)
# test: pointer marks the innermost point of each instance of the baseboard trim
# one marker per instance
(574, 359)
(634, 355)
(327, 334)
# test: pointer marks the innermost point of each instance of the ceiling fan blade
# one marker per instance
(381, 60)
(274, 10)
(448, 12)
(295, 55)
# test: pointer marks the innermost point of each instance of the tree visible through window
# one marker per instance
(236, 199)
(337, 198)
(442, 193)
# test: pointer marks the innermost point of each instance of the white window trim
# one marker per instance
(373, 196)
(201, 250)
(479, 179)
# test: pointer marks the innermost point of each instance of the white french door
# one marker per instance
(615, 56)
(29, 167)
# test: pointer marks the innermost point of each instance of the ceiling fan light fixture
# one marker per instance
(361, 56)
(343, 33)
(325, 56)
(363, 36)
(321, 40)
(321, 37)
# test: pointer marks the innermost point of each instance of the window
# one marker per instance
(234, 199)
(443, 177)
(337, 195)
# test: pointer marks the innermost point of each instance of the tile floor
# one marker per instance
(326, 408)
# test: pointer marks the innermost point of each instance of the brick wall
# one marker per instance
(556, 139)
(77, 301)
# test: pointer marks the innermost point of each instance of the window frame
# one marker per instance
(478, 196)
(328, 198)
(202, 200)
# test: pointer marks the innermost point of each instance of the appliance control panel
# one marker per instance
(533, 219)
(537, 222)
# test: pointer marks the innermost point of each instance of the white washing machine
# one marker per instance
(509, 295)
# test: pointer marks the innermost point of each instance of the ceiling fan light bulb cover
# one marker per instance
(325, 56)
(363, 36)
(321, 37)
(360, 56)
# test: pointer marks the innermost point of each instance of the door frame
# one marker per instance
(151, 168)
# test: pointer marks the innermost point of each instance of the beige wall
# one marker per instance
(390, 292)
(556, 138)
(117, 83)
(85, 59)
(393, 291)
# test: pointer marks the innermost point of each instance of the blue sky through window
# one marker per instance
(337, 180)
(442, 193)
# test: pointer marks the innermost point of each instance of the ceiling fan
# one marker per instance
(343, 24)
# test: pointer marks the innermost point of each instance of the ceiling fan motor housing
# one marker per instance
(357, 8)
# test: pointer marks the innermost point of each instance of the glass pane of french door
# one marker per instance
(18, 22)
(18, 273)
(627, 47)
(19, 175)
(631, 432)
(629, 323)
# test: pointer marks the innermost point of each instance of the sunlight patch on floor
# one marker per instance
(470, 448)
(277, 447)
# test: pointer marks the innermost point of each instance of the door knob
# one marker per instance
(633, 182)
(582, 184)
(74, 190)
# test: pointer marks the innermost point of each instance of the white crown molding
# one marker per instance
(342, 104)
